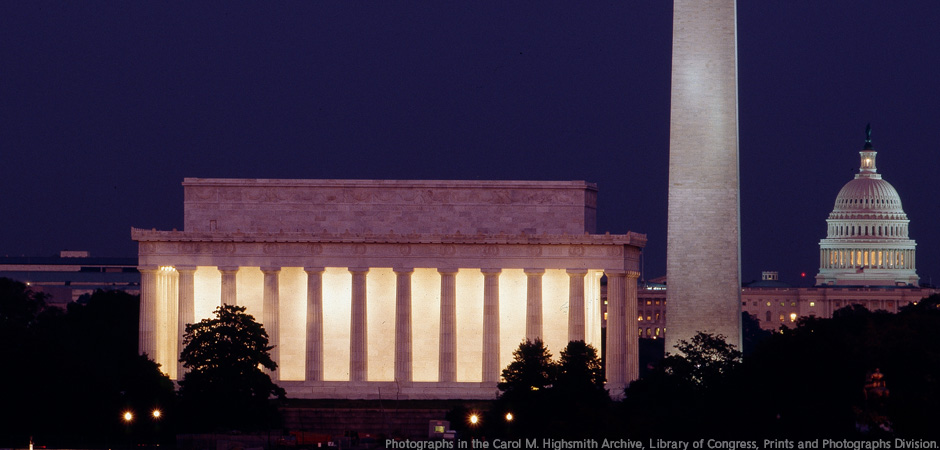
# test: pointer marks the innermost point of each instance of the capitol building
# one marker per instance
(867, 258)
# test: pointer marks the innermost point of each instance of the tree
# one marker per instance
(688, 388)
(707, 358)
(225, 386)
(579, 369)
(531, 369)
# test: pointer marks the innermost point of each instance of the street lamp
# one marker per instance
(509, 417)
(128, 416)
(156, 414)
(474, 419)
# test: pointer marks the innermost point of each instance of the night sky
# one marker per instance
(106, 106)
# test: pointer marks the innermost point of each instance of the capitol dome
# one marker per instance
(867, 242)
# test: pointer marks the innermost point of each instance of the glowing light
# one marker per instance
(509, 417)
(128, 416)
(792, 317)
(156, 414)
(474, 419)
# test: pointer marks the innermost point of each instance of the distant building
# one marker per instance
(393, 288)
(67, 277)
(867, 259)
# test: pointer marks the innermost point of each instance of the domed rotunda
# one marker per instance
(867, 243)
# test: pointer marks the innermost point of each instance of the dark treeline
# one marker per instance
(69, 375)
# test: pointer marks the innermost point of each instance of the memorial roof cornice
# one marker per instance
(153, 235)
(341, 183)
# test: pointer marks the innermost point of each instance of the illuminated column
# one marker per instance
(187, 313)
(491, 369)
(447, 370)
(403, 324)
(228, 285)
(533, 311)
(632, 362)
(616, 332)
(314, 323)
(576, 304)
(270, 299)
(147, 337)
(358, 339)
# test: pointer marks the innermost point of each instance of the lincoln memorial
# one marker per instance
(393, 289)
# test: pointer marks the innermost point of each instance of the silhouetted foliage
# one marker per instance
(72, 373)
(547, 398)
(531, 369)
(681, 389)
(225, 387)
(802, 382)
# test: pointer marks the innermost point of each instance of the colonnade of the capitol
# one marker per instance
(867, 258)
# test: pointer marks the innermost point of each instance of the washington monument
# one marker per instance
(703, 268)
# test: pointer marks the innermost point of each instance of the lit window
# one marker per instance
(792, 317)
(781, 318)
(656, 302)
(639, 319)
(648, 332)
(649, 317)
(811, 304)
(640, 332)
(657, 331)
(792, 303)
(768, 303)
(605, 316)
(657, 316)
(649, 302)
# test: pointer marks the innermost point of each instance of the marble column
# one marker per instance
(576, 304)
(447, 365)
(616, 332)
(359, 337)
(491, 369)
(533, 310)
(403, 350)
(228, 285)
(187, 312)
(314, 363)
(632, 361)
(270, 311)
(147, 337)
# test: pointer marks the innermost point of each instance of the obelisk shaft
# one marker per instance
(703, 249)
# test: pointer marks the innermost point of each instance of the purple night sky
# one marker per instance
(106, 106)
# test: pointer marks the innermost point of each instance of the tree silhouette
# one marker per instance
(225, 386)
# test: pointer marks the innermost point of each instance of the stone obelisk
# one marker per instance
(703, 271)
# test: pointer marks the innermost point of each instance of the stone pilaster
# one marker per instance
(403, 359)
(187, 312)
(359, 337)
(270, 310)
(631, 329)
(228, 285)
(147, 336)
(533, 310)
(576, 304)
(314, 362)
(491, 369)
(616, 332)
(447, 365)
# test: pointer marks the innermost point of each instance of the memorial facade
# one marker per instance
(393, 289)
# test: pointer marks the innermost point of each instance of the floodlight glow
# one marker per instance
(474, 419)
(156, 414)
(128, 416)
